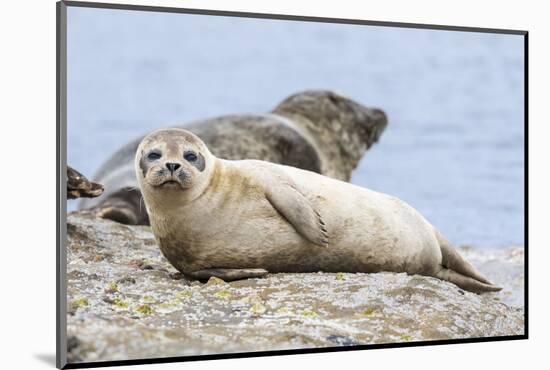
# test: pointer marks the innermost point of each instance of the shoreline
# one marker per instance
(502, 266)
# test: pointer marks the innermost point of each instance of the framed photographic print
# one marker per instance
(235, 184)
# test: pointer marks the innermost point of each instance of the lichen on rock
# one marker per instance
(124, 303)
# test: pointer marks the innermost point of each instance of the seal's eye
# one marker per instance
(190, 157)
(153, 156)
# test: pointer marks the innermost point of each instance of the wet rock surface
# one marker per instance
(125, 301)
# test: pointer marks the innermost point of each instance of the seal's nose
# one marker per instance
(172, 166)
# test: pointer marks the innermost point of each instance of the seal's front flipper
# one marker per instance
(124, 206)
(299, 212)
(228, 274)
(120, 214)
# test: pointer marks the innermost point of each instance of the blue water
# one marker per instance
(454, 145)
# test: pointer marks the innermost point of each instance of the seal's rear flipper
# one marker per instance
(78, 186)
(466, 282)
(451, 259)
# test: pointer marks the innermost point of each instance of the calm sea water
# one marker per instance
(454, 145)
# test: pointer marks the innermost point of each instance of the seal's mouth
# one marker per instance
(170, 184)
(162, 180)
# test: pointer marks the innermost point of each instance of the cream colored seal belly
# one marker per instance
(239, 219)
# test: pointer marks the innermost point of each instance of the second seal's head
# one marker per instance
(169, 161)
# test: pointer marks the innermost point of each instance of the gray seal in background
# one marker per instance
(316, 130)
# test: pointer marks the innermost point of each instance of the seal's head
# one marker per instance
(172, 162)
(342, 128)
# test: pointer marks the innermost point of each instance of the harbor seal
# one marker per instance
(239, 219)
(317, 130)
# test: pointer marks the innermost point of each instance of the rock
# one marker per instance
(119, 311)
(73, 344)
